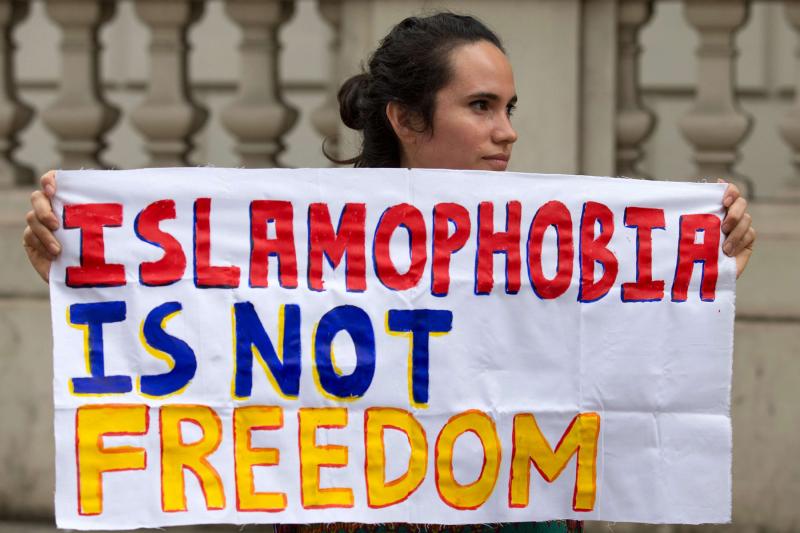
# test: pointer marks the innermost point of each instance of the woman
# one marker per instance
(438, 93)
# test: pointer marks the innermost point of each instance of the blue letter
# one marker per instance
(420, 323)
(355, 322)
(91, 317)
(282, 370)
(164, 346)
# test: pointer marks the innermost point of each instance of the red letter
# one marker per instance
(554, 214)
(263, 212)
(690, 252)
(445, 245)
(349, 238)
(644, 219)
(596, 251)
(172, 265)
(409, 217)
(94, 271)
(205, 274)
(503, 242)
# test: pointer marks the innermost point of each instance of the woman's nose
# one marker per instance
(504, 132)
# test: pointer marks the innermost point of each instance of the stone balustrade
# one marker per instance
(715, 126)
(168, 115)
(258, 118)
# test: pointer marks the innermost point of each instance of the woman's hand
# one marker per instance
(38, 239)
(737, 227)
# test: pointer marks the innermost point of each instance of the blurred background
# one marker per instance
(677, 90)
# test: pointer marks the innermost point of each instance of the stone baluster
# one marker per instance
(258, 117)
(634, 121)
(14, 115)
(715, 126)
(80, 117)
(168, 117)
(790, 125)
(326, 117)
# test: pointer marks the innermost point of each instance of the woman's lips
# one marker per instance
(497, 161)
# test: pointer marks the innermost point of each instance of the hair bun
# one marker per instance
(351, 101)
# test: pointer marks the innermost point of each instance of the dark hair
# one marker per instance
(410, 65)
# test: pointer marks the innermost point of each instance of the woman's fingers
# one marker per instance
(734, 216)
(48, 183)
(735, 242)
(749, 239)
(43, 210)
(41, 220)
(38, 255)
(40, 244)
(731, 194)
(32, 242)
(737, 226)
(747, 250)
(42, 233)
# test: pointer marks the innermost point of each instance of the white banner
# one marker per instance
(389, 345)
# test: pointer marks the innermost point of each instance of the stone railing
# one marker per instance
(168, 115)
(258, 118)
(715, 126)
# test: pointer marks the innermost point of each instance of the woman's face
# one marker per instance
(472, 118)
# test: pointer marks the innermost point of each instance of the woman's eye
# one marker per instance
(480, 105)
(510, 109)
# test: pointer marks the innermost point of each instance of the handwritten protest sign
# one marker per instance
(386, 345)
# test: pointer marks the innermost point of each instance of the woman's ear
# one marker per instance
(400, 119)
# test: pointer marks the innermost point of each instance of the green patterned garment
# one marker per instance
(554, 526)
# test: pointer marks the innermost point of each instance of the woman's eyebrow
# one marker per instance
(492, 96)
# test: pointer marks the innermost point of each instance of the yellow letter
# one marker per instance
(92, 423)
(246, 420)
(475, 494)
(312, 457)
(531, 446)
(176, 456)
(379, 492)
